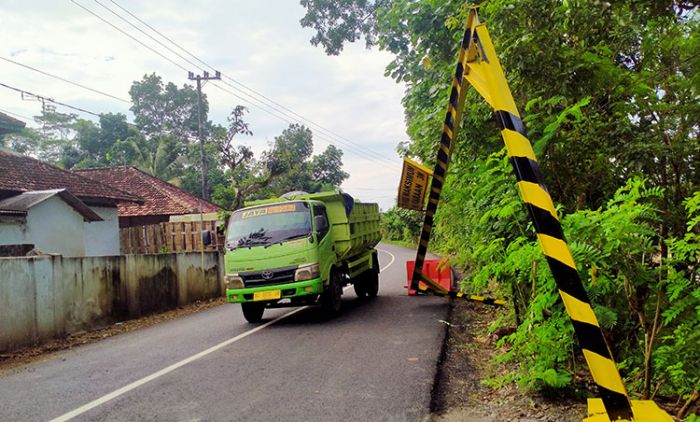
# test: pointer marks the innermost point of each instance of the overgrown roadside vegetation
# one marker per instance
(465, 390)
(609, 95)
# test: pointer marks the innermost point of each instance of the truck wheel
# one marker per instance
(253, 312)
(331, 301)
(359, 286)
(371, 282)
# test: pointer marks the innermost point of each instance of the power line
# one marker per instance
(64, 80)
(16, 114)
(147, 34)
(51, 100)
(286, 118)
(329, 134)
(127, 34)
(350, 146)
(256, 102)
(212, 67)
(283, 119)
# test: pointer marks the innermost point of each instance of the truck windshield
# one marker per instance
(269, 224)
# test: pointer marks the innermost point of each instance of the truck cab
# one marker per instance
(284, 252)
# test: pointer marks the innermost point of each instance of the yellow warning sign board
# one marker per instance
(413, 186)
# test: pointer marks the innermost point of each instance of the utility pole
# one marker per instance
(199, 78)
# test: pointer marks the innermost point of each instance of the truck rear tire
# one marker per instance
(331, 301)
(253, 312)
(371, 282)
(359, 286)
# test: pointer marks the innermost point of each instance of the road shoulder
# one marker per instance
(14, 360)
(467, 359)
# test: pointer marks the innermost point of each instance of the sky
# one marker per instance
(258, 44)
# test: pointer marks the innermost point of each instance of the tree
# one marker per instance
(336, 25)
(165, 109)
(402, 225)
(305, 172)
(55, 124)
(27, 141)
(287, 165)
(57, 130)
(289, 154)
(239, 159)
(166, 117)
(161, 156)
(327, 168)
(609, 95)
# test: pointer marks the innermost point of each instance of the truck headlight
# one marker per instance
(233, 281)
(307, 272)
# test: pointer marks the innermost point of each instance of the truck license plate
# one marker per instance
(268, 295)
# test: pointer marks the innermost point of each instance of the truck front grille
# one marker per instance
(274, 277)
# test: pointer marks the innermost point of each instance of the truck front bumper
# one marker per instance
(268, 293)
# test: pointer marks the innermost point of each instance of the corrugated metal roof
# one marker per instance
(23, 202)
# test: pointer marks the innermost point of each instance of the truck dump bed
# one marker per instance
(356, 225)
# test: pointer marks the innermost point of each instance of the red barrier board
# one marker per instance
(432, 268)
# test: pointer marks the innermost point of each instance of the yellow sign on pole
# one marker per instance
(413, 186)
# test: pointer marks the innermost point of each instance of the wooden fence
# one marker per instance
(169, 237)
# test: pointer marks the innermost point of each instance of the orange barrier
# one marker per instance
(435, 269)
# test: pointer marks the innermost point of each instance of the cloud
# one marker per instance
(261, 46)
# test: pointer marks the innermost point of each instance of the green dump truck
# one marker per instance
(299, 250)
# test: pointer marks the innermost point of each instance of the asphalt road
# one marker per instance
(375, 362)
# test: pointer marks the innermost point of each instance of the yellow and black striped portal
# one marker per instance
(427, 291)
(449, 133)
(484, 72)
(479, 66)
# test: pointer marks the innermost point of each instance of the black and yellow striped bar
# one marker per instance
(489, 80)
(427, 291)
(445, 148)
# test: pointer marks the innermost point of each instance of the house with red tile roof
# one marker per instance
(162, 201)
(57, 211)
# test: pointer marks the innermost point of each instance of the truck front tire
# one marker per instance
(253, 312)
(331, 301)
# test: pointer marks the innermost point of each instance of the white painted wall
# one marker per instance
(102, 237)
(12, 233)
(45, 297)
(52, 226)
(55, 227)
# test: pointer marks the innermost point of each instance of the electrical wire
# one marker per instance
(251, 100)
(298, 118)
(16, 114)
(64, 80)
(51, 100)
(128, 35)
(241, 84)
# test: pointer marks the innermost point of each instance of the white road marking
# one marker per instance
(393, 258)
(116, 393)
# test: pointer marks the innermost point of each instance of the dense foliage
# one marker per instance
(402, 225)
(163, 141)
(609, 95)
